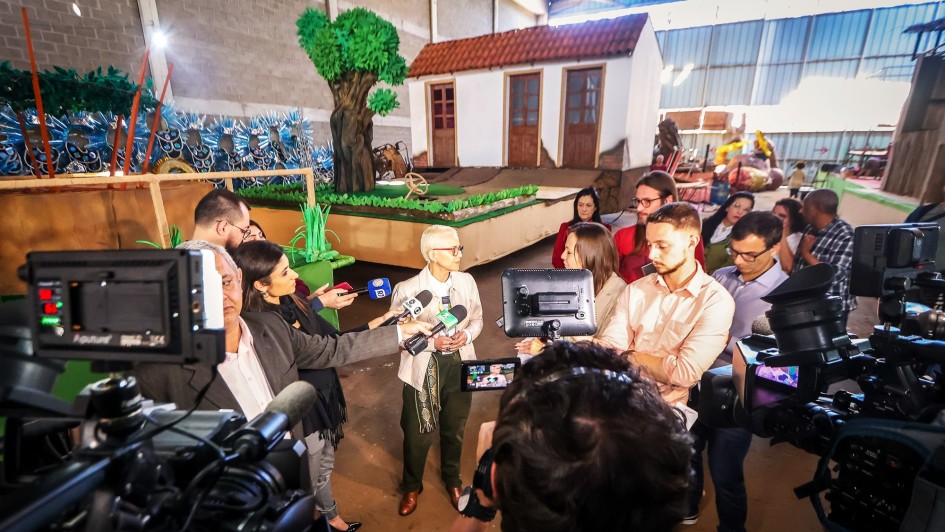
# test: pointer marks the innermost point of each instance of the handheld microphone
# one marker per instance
(253, 440)
(447, 319)
(376, 288)
(412, 307)
(761, 326)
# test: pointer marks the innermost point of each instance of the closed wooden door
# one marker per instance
(443, 114)
(581, 117)
(524, 95)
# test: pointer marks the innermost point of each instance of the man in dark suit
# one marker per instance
(263, 354)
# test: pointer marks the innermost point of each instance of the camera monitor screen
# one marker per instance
(786, 375)
(126, 306)
(480, 375)
(539, 302)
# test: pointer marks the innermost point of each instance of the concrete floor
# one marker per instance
(368, 468)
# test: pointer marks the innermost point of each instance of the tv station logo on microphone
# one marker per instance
(379, 287)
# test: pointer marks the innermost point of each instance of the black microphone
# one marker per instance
(253, 440)
(447, 319)
(412, 307)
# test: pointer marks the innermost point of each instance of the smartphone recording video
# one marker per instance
(479, 375)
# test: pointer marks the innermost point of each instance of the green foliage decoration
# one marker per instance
(357, 41)
(176, 239)
(65, 90)
(313, 231)
(327, 195)
(383, 101)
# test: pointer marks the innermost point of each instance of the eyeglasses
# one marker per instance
(747, 257)
(455, 250)
(645, 202)
(246, 232)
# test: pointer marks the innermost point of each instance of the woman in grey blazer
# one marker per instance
(431, 393)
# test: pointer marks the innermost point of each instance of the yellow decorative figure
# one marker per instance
(722, 152)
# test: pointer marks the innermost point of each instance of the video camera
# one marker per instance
(886, 439)
(134, 469)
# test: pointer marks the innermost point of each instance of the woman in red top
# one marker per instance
(654, 190)
(586, 209)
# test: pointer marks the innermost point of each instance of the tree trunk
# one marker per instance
(352, 132)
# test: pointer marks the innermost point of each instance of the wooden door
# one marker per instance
(524, 95)
(443, 114)
(581, 117)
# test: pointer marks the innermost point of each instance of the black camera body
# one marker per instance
(134, 467)
(882, 438)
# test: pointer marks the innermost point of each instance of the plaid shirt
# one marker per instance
(834, 246)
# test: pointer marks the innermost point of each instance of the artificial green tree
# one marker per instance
(353, 54)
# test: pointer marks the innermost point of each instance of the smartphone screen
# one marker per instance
(479, 375)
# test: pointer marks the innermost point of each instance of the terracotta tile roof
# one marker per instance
(599, 38)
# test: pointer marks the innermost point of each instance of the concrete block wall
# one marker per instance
(108, 33)
(234, 57)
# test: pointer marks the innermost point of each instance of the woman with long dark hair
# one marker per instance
(269, 285)
(717, 229)
(789, 211)
(586, 209)
(590, 246)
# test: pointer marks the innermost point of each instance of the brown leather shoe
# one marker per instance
(408, 503)
(454, 496)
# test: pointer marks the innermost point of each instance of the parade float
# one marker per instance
(107, 163)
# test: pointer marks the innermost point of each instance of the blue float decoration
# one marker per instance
(82, 143)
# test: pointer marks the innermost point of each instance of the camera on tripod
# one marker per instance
(886, 438)
(134, 468)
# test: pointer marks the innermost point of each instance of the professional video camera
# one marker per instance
(887, 439)
(134, 468)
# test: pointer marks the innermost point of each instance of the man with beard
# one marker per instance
(673, 323)
(654, 190)
(222, 218)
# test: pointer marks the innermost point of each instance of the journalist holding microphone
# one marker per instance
(432, 396)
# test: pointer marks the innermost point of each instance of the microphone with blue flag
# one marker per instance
(376, 288)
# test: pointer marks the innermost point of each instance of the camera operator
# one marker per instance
(754, 245)
(674, 322)
(581, 442)
(263, 354)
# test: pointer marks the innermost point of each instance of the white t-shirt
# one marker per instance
(794, 240)
(721, 233)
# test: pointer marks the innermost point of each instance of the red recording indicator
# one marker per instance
(45, 294)
(50, 308)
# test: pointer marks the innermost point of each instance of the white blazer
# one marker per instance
(462, 292)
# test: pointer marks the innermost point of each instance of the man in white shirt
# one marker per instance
(675, 322)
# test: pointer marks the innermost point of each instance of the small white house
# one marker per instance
(576, 96)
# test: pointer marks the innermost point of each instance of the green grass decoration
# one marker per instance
(313, 230)
(325, 193)
(176, 239)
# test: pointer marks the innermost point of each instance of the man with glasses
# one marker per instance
(654, 190)
(222, 218)
(756, 239)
